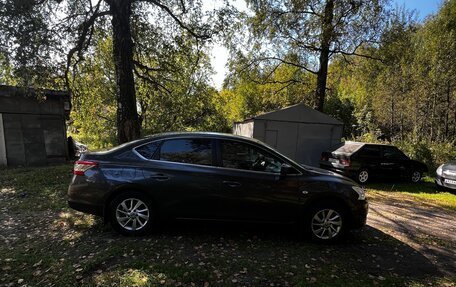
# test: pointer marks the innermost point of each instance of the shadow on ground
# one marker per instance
(75, 249)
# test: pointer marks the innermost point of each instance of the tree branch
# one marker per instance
(287, 63)
(83, 41)
(178, 21)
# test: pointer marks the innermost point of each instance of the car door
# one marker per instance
(393, 162)
(369, 157)
(251, 185)
(181, 177)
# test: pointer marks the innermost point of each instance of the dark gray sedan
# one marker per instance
(212, 176)
(446, 175)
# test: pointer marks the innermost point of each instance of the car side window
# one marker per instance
(242, 156)
(370, 151)
(194, 151)
(393, 153)
(148, 150)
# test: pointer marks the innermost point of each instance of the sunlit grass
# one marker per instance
(426, 192)
(36, 188)
(130, 277)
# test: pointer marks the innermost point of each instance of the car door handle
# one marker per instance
(160, 177)
(231, 183)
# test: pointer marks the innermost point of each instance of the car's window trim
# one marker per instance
(216, 141)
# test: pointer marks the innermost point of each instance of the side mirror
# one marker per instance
(285, 169)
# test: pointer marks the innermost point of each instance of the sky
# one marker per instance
(219, 55)
(422, 7)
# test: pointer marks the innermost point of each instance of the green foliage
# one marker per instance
(175, 96)
(432, 154)
(93, 116)
(343, 110)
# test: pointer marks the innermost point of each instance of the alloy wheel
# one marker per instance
(132, 214)
(326, 224)
(416, 176)
(363, 176)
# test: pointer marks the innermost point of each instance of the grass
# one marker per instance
(43, 242)
(42, 188)
(424, 192)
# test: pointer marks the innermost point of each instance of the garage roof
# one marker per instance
(299, 113)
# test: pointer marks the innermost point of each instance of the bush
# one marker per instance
(431, 153)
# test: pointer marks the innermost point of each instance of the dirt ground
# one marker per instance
(429, 229)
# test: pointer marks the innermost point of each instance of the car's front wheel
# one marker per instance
(327, 223)
(131, 214)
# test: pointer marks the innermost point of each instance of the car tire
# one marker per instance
(362, 176)
(327, 223)
(415, 176)
(131, 214)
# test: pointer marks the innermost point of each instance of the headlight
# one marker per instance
(439, 170)
(360, 191)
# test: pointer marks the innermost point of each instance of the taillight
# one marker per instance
(324, 158)
(81, 166)
(344, 161)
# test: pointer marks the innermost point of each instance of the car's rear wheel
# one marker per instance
(416, 176)
(363, 176)
(131, 214)
(327, 223)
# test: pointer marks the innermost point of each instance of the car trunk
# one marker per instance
(341, 157)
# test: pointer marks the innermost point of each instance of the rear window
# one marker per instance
(148, 150)
(349, 147)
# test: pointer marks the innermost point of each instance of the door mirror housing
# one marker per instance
(286, 169)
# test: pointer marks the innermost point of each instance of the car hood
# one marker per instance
(451, 165)
(321, 171)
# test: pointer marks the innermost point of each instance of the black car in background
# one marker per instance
(364, 161)
(446, 175)
(212, 176)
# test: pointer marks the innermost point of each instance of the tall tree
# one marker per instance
(313, 31)
(58, 23)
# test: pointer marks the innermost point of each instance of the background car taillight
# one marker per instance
(344, 161)
(81, 166)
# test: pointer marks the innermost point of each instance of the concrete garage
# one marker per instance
(32, 126)
(298, 131)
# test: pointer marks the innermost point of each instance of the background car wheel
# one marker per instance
(131, 214)
(327, 223)
(416, 176)
(363, 176)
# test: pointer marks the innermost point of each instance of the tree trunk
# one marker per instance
(447, 111)
(128, 127)
(326, 37)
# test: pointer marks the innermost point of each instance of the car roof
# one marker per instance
(200, 134)
(170, 135)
